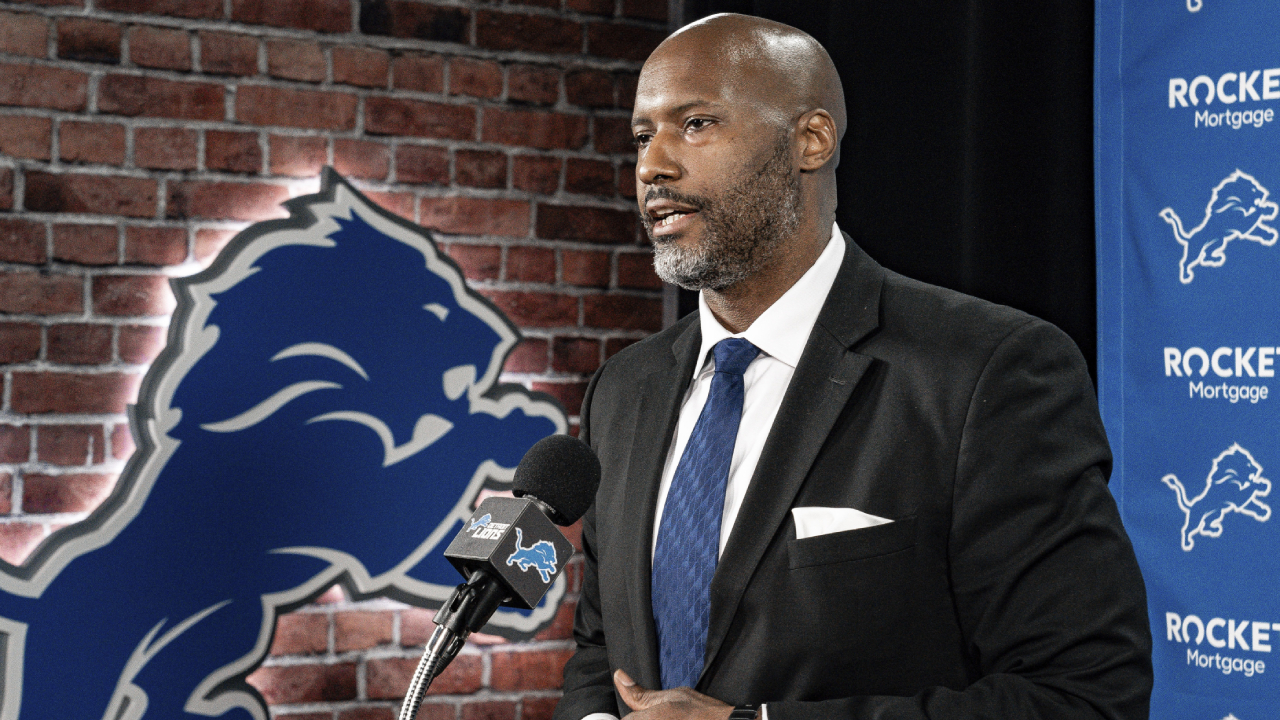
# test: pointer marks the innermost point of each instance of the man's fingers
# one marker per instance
(632, 694)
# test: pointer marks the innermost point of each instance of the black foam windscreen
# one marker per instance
(561, 471)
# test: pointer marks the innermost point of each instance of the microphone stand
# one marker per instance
(466, 611)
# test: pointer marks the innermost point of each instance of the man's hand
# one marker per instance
(677, 704)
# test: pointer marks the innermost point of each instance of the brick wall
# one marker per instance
(137, 136)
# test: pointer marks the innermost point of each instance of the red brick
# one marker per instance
(537, 708)
(71, 444)
(575, 355)
(132, 295)
(134, 197)
(589, 177)
(259, 105)
(225, 54)
(24, 137)
(551, 4)
(160, 48)
(627, 82)
(364, 67)
(561, 628)
(415, 20)
(533, 33)
(210, 9)
(480, 168)
(40, 293)
(209, 242)
(140, 344)
(301, 634)
(17, 540)
(361, 630)
(65, 493)
(37, 86)
(489, 710)
(478, 262)
(305, 716)
(627, 180)
(298, 156)
(121, 442)
(645, 9)
(613, 135)
(282, 685)
(535, 173)
(164, 148)
(531, 264)
(530, 356)
(232, 151)
(86, 244)
(568, 394)
(15, 442)
(589, 88)
(79, 344)
(529, 670)
(388, 678)
(133, 95)
(19, 342)
(375, 713)
(416, 626)
(394, 116)
(361, 159)
(332, 16)
(475, 216)
(418, 164)
(625, 42)
(533, 84)
(23, 34)
(22, 241)
(529, 309)
(155, 245)
(593, 224)
(399, 203)
(296, 60)
(423, 73)
(635, 270)
(89, 40)
(477, 78)
(542, 130)
(594, 7)
(226, 200)
(585, 268)
(6, 189)
(89, 142)
(622, 312)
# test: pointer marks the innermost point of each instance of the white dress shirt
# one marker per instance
(780, 332)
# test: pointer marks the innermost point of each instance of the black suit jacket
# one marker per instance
(1005, 587)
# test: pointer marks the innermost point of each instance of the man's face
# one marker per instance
(717, 187)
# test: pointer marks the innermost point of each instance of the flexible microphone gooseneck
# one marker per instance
(502, 541)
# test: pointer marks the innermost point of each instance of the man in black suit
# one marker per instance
(915, 520)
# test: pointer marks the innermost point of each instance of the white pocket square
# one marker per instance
(815, 521)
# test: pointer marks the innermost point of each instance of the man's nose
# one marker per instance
(656, 163)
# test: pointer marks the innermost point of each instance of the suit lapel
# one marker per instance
(659, 395)
(822, 383)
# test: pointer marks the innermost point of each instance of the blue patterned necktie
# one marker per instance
(684, 558)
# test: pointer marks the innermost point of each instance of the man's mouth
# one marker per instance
(670, 219)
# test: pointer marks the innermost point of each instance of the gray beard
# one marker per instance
(745, 226)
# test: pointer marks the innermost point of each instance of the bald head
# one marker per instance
(774, 65)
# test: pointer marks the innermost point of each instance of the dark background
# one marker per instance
(968, 161)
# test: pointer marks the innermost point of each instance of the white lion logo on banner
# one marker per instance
(1234, 484)
(1238, 208)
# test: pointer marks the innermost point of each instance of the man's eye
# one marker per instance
(641, 140)
(696, 123)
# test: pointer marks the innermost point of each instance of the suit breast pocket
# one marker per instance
(852, 545)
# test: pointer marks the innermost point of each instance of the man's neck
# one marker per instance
(737, 307)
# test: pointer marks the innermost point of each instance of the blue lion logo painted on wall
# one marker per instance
(540, 556)
(326, 410)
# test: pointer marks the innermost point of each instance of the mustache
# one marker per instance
(660, 192)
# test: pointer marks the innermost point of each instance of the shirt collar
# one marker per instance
(782, 330)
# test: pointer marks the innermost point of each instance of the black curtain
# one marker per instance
(968, 159)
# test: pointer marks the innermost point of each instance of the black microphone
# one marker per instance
(509, 551)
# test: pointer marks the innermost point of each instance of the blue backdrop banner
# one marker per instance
(1187, 97)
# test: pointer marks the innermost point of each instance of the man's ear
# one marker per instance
(816, 131)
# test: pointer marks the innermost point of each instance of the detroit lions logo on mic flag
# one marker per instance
(326, 410)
